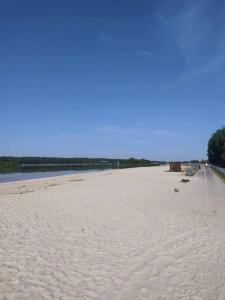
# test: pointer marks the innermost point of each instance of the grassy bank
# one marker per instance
(219, 174)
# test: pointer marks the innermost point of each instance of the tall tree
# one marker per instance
(216, 148)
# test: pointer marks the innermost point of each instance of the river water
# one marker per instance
(43, 172)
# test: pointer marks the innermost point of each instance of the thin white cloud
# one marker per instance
(163, 132)
(141, 123)
(104, 37)
(138, 134)
(188, 26)
(145, 53)
(117, 130)
(127, 139)
(117, 133)
(191, 29)
(211, 67)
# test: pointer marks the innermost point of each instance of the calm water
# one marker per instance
(43, 172)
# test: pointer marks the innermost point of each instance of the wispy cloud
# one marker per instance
(117, 130)
(119, 134)
(104, 37)
(187, 25)
(126, 139)
(163, 132)
(211, 67)
(141, 123)
(191, 29)
(137, 134)
(145, 53)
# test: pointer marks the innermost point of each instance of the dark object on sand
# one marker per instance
(176, 190)
(185, 180)
(175, 167)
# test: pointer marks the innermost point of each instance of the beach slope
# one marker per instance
(121, 234)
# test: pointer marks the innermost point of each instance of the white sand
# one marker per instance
(122, 234)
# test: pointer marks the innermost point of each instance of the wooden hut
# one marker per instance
(175, 167)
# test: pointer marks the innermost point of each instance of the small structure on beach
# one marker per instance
(189, 172)
(175, 167)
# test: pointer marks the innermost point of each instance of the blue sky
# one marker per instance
(111, 78)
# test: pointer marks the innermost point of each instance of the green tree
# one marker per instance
(216, 148)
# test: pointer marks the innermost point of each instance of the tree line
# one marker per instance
(33, 160)
(216, 148)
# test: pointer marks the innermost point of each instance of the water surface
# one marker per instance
(44, 172)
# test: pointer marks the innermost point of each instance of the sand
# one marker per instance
(121, 234)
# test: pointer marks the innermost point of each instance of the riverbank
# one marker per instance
(119, 234)
(10, 164)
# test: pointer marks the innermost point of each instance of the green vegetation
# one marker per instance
(219, 174)
(216, 148)
(132, 163)
(203, 161)
(8, 163)
(51, 160)
(11, 165)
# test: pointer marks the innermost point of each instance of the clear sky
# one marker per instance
(111, 78)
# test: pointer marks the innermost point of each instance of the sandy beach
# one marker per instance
(120, 234)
